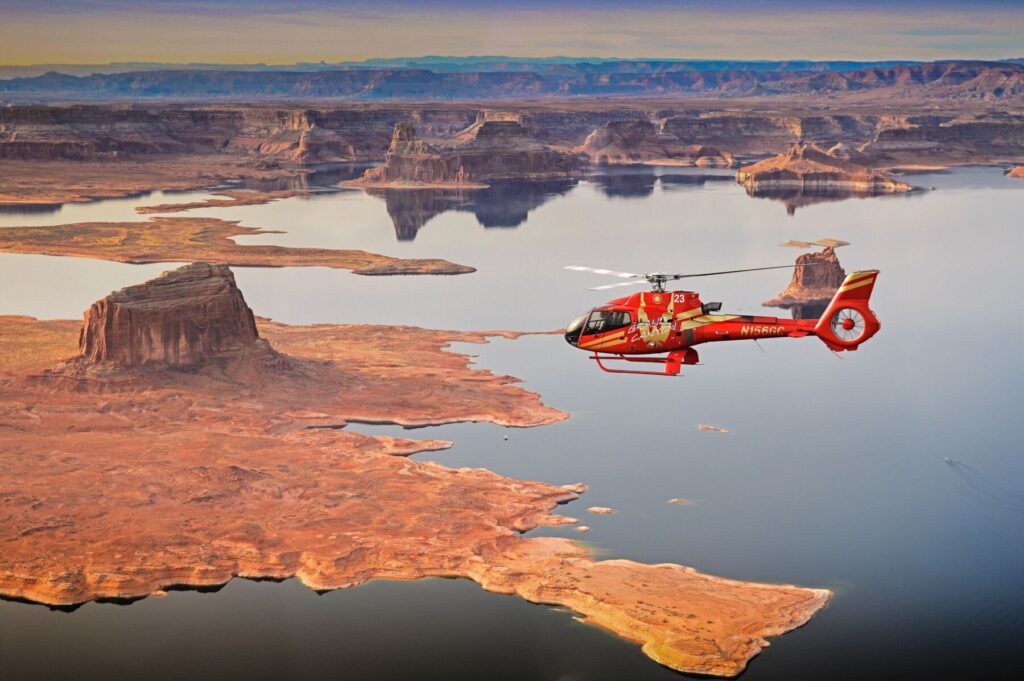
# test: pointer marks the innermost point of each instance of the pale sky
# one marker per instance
(237, 31)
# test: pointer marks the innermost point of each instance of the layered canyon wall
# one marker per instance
(363, 132)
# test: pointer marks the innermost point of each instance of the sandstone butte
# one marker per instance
(207, 451)
(815, 280)
(490, 150)
(640, 141)
(180, 239)
(809, 168)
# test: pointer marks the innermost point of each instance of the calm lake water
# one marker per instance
(833, 473)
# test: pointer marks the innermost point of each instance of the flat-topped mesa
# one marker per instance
(619, 142)
(180, 319)
(808, 168)
(815, 280)
(490, 150)
(502, 133)
(639, 141)
(1016, 171)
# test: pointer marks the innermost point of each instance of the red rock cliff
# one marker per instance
(815, 280)
(179, 319)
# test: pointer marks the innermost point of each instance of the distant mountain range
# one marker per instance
(437, 78)
(450, 64)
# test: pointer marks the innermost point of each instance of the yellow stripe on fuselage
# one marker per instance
(601, 342)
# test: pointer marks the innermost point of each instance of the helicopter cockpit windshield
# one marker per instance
(572, 332)
(596, 321)
(602, 321)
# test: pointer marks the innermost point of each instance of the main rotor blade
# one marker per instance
(621, 283)
(613, 273)
(749, 269)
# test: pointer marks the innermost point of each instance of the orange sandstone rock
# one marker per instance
(815, 280)
(601, 510)
(178, 319)
(118, 481)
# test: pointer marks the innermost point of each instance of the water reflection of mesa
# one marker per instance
(640, 184)
(508, 204)
(502, 204)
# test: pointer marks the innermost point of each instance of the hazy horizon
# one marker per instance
(502, 57)
(262, 32)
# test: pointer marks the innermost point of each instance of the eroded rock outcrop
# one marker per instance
(808, 168)
(1017, 171)
(933, 139)
(815, 280)
(624, 142)
(640, 141)
(496, 150)
(179, 319)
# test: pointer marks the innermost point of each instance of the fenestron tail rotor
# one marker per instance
(848, 324)
(658, 279)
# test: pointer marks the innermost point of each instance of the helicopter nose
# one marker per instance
(574, 329)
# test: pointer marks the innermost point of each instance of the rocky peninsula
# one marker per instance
(248, 469)
(177, 239)
(811, 169)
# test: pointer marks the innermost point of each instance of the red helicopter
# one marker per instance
(673, 322)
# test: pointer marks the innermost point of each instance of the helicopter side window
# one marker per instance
(602, 321)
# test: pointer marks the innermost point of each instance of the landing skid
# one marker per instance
(671, 363)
